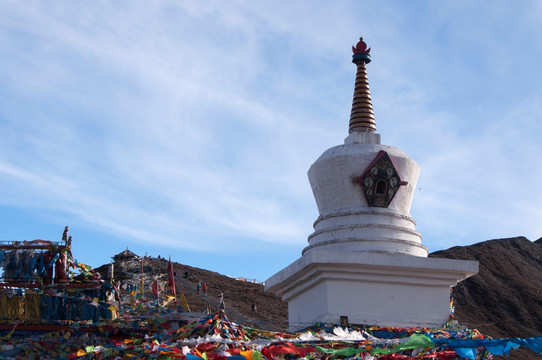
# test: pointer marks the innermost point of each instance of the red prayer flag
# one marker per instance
(155, 288)
(171, 279)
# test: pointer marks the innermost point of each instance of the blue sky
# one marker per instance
(186, 128)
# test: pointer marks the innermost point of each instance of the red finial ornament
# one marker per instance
(361, 47)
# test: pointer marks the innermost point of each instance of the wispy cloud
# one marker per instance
(186, 123)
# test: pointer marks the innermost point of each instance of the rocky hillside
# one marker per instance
(505, 298)
(246, 302)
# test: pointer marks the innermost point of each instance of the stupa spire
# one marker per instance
(362, 118)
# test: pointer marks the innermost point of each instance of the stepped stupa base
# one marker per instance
(368, 288)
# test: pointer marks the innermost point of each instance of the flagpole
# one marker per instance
(171, 279)
(142, 279)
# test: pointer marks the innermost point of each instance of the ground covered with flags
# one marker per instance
(160, 334)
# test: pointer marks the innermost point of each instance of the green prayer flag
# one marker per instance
(344, 351)
(107, 352)
(381, 351)
(349, 351)
(324, 350)
(256, 355)
(416, 341)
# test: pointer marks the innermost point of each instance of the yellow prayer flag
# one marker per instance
(184, 303)
(247, 354)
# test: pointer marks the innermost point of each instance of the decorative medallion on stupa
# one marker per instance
(380, 181)
(365, 262)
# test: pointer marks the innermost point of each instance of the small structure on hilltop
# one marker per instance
(125, 255)
(365, 263)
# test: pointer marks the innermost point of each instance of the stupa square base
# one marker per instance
(369, 288)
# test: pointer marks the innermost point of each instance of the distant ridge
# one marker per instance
(505, 298)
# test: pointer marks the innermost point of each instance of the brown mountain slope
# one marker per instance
(239, 296)
(505, 298)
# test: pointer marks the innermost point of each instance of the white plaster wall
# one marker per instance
(312, 304)
(346, 222)
(331, 178)
(370, 303)
(369, 288)
(365, 216)
(377, 245)
(390, 304)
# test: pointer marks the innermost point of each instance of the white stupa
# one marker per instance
(365, 262)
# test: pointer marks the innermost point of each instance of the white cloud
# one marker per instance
(190, 122)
